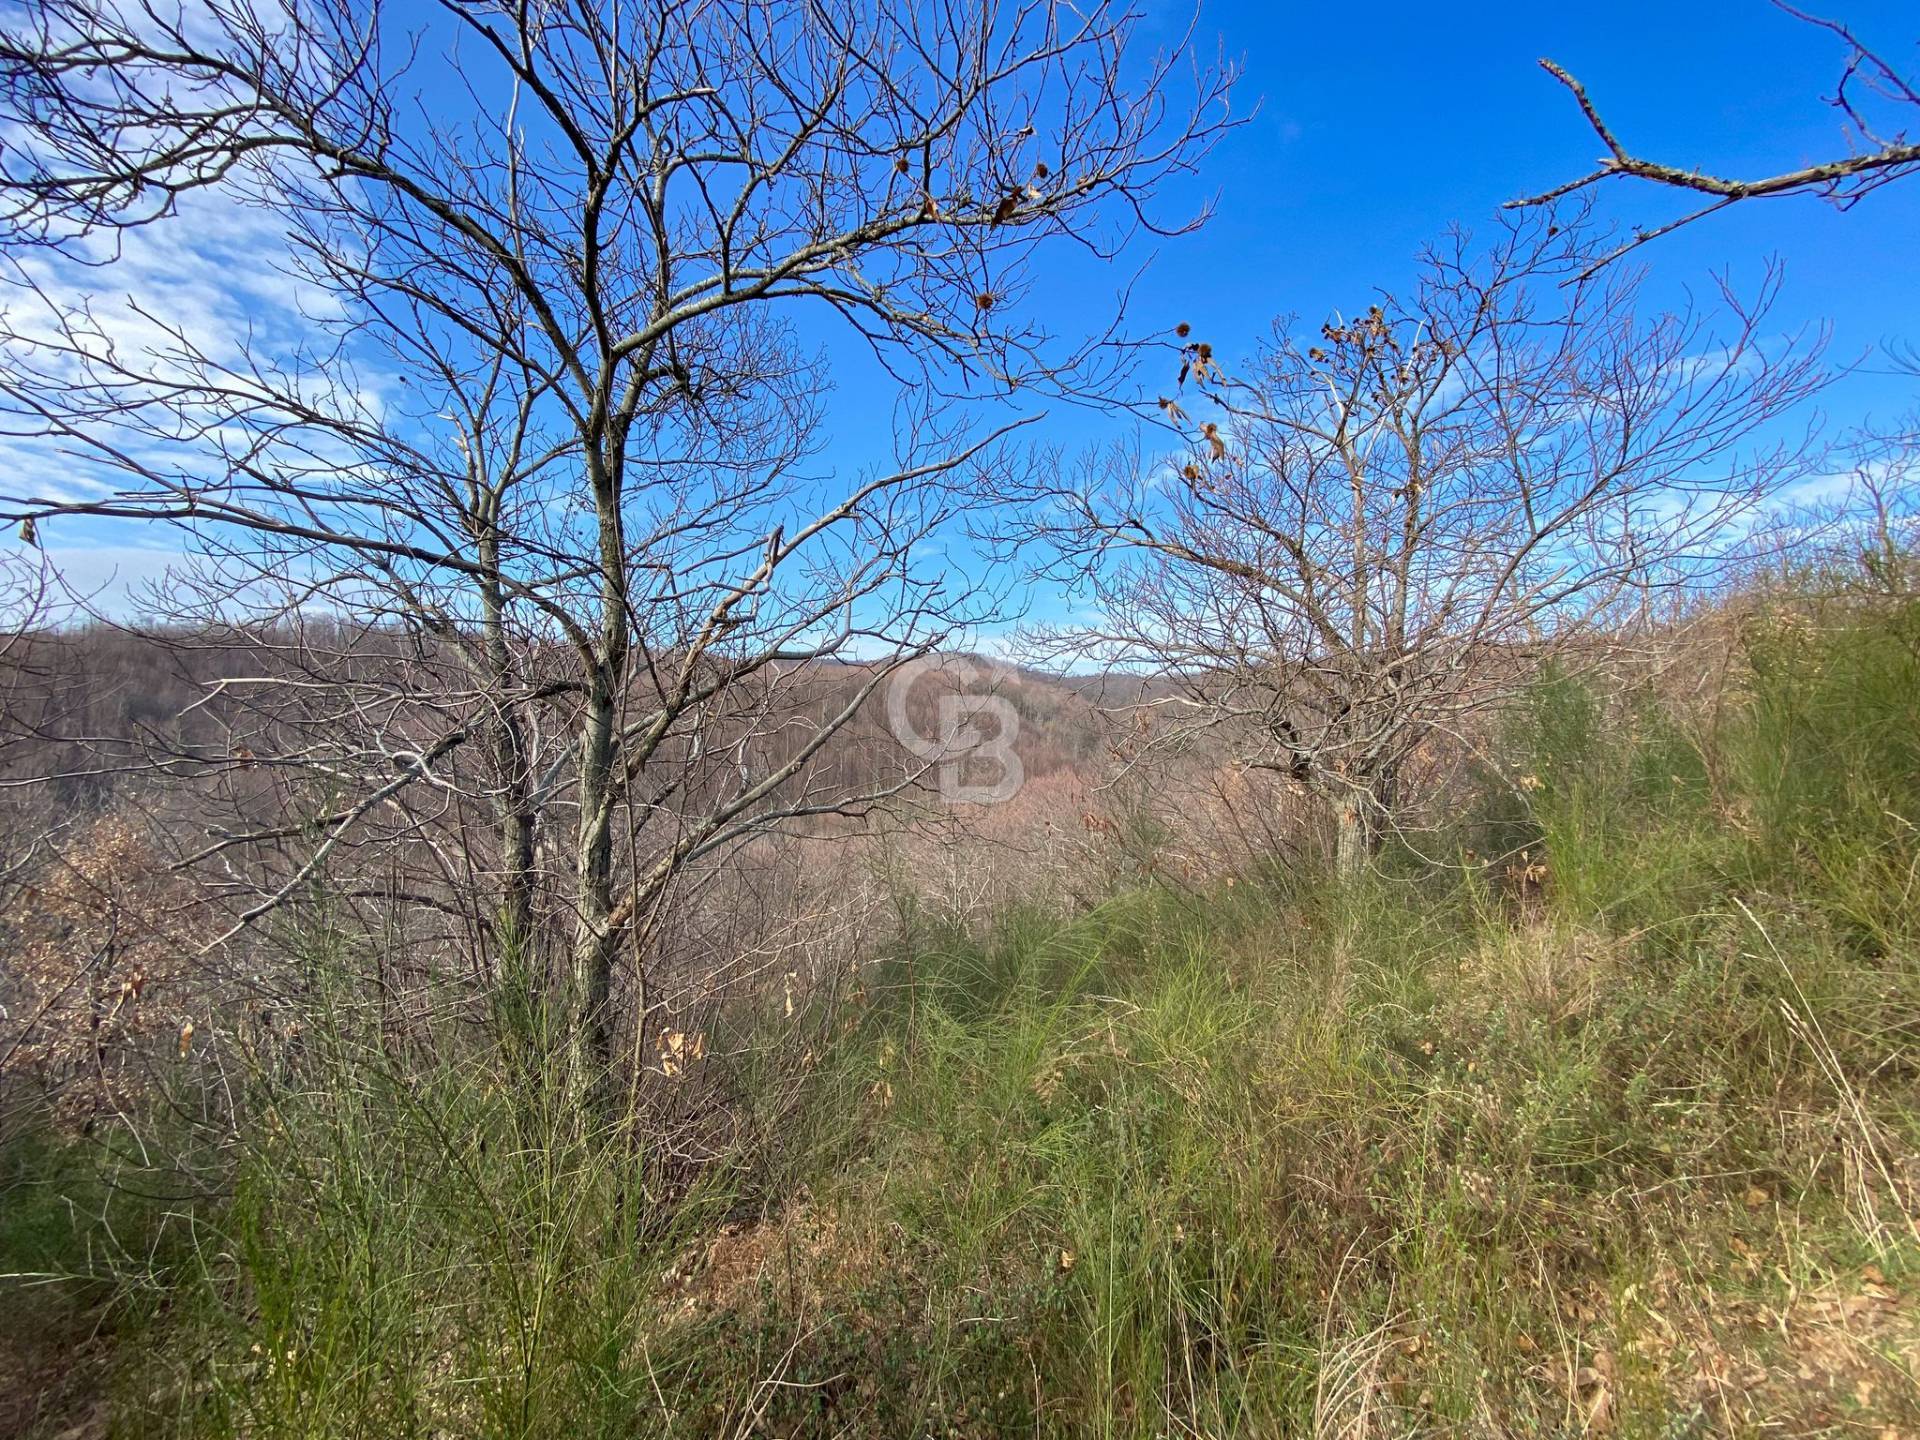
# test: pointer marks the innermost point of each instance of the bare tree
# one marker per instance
(1877, 513)
(1387, 528)
(554, 426)
(24, 688)
(1877, 97)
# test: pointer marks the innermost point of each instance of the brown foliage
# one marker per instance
(105, 980)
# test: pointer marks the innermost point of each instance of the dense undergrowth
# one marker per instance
(1615, 1133)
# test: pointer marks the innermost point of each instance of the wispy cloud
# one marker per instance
(216, 280)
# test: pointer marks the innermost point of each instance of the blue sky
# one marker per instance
(1377, 127)
(1382, 124)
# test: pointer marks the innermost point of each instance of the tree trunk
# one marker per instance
(589, 1017)
(589, 999)
(521, 993)
(1361, 816)
(1354, 843)
(512, 777)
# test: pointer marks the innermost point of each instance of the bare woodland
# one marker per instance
(1381, 534)
(520, 600)
(527, 592)
(581, 535)
(546, 737)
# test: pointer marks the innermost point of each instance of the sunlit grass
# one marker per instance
(1430, 1153)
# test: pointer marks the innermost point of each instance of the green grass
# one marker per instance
(1632, 1151)
(1162, 1172)
(421, 1248)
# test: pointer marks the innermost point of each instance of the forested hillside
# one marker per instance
(776, 768)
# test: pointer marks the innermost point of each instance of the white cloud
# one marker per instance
(104, 579)
(216, 279)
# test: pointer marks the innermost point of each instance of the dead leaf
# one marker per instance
(676, 1049)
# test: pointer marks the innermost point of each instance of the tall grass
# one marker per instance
(1429, 1153)
(1162, 1171)
(1408, 1157)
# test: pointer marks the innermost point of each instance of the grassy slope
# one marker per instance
(1352, 1161)
(1631, 1153)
